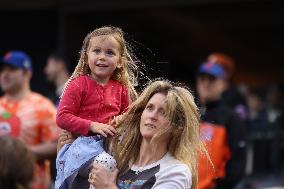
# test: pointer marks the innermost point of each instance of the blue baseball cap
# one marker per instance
(213, 69)
(17, 59)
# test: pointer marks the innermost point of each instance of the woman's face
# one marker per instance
(153, 117)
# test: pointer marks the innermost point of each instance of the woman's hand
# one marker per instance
(65, 137)
(102, 178)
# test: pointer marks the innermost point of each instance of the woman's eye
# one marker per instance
(149, 107)
(162, 112)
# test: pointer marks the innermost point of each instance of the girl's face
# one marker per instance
(103, 57)
(153, 117)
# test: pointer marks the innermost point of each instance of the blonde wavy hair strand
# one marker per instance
(184, 134)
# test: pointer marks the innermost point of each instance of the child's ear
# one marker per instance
(119, 65)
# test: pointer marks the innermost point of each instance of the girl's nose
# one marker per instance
(101, 56)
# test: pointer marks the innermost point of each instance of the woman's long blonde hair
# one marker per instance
(124, 74)
(185, 143)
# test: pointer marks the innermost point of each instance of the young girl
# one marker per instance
(98, 90)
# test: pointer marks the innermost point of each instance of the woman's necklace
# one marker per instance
(142, 168)
(149, 163)
(139, 170)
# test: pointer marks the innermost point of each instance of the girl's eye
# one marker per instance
(96, 50)
(109, 52)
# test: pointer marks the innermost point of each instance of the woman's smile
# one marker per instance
(150, 125)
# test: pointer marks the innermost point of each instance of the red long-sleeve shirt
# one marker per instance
(85, 101)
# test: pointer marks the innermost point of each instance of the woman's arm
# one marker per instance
(102, 178)
(65, 137)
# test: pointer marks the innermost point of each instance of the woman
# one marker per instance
(157, 144)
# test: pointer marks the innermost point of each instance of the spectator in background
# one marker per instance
(27, 115)
(57, 72)
(255, 98)
(221, 128)
(17, 164)
(275, 109)
(231, 95)
(274, 103)
(263, 133)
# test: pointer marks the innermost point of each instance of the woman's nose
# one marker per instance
(154, 115)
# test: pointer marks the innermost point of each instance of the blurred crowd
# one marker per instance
(241, 124)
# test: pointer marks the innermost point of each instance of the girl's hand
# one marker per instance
(116, 120)
(65, 137)
(102, 178)
(102, 129)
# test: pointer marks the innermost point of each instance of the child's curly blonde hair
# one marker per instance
(123, 74)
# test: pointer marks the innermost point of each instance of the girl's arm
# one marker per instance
(69, 107)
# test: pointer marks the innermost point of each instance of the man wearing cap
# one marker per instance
(222, 130)
(27, 115)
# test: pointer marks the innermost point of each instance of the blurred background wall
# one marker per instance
(171, 36)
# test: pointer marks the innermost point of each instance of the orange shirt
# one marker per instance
(216, 142)
(32, 120)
